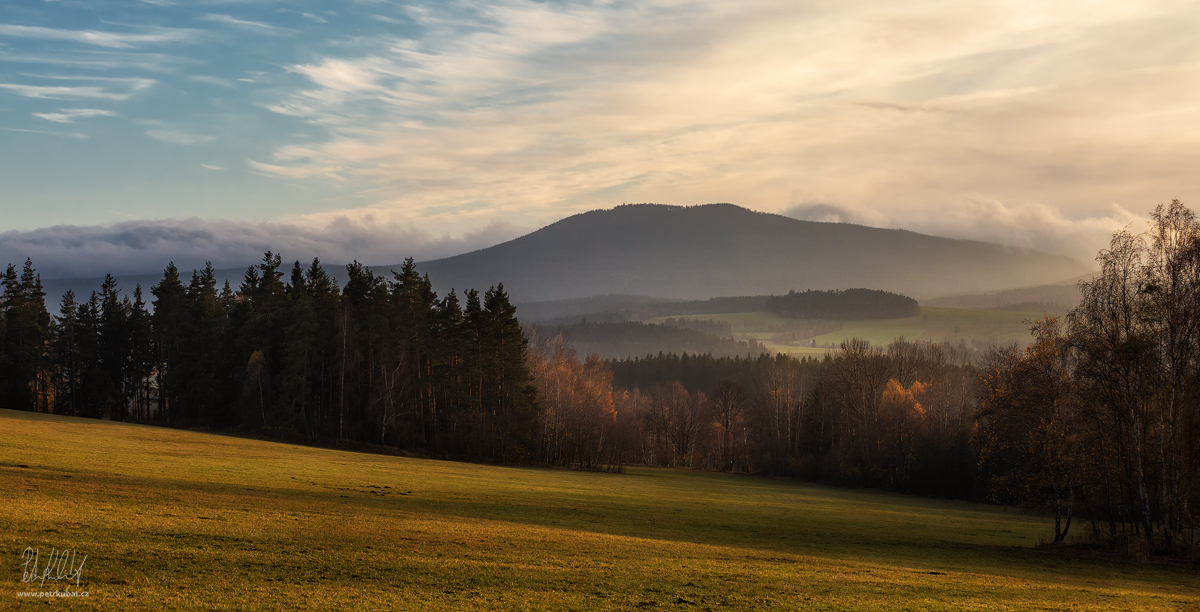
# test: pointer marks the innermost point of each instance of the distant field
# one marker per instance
(938, 324)
(174, 519)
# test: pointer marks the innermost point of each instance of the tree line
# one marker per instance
(1100, 416)
(628, 338)
(381, 361)
(898, 417)
(851, 304)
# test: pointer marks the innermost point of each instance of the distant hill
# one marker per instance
(1054, 297)
(720, 249)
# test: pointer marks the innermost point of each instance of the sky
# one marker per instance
(135, 132)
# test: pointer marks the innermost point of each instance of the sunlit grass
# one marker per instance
(178, 519)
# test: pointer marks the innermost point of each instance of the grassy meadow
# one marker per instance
(176, 519)
(937, 324)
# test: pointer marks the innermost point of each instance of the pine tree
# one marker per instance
(66, 355)
(508, 390)
(113, 350)
(23, 346)
(300, 333)
(91, 375)
(167, 324)
(141, 355)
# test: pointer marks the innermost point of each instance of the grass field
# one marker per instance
(937, 324)
(175, 519)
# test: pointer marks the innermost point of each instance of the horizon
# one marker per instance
(448, 249)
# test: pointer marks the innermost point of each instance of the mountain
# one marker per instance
(698, 252)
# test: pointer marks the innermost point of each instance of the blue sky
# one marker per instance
(129, 110)
(132, 132)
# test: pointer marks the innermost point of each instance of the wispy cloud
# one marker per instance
(59, 92)
(116, 40)
(97, 59)
(69, 115)
(257, 26)
(212, 80)
(101, 88)
(76, 135)
(179, 137)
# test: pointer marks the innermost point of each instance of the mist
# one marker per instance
(145, 247)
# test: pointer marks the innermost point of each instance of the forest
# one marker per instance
(1097, 420)
(380, 361)
(848, 305)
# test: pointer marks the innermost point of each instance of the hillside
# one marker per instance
(720, 249)
(174, 519)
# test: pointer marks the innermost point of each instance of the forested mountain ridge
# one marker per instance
(720, 249)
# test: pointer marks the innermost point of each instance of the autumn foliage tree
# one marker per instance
(1031, 429)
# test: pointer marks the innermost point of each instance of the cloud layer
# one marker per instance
(974, 217)
(141, 247)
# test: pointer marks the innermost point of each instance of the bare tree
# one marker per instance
(728, 403)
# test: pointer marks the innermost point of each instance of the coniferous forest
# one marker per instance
(1096, 421)
(845, 305)
(288, 353)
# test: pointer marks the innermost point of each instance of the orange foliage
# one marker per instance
(899, 402)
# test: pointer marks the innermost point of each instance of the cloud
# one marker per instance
(212, 167)
(1030, 224)
(142, 247)
(60, 92)
(538, 110)
(115, 40)
(831, 213)
(256, 26)
(212, 80)
(75, 135)
(974, 217)
(69, 115)
(99, 88)
(179, 137)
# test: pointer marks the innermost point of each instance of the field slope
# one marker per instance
(177, 519)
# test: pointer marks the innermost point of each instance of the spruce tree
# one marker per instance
(167, 324)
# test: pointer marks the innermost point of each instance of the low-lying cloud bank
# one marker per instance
(1027, 225)
(144, 247)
